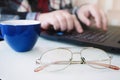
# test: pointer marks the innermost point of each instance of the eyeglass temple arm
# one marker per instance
(100, 64)
(77, 62)
(104, 65)
(41, 67)
(46, 65)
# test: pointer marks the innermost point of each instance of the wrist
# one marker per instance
(76, 9)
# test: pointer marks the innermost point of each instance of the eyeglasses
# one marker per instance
(60, 58)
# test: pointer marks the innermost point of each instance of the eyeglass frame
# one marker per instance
(83, 60)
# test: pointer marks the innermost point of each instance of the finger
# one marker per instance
(96, 14)
(54, 22)
(62, 21)
(44, 25)
(84, 19)
(69, 20)
(104, 21)
(77, 25)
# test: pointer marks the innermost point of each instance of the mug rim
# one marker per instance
(20, 22)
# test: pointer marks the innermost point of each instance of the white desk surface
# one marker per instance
(20, 66)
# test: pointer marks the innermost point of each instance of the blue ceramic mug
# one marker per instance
(21, 35)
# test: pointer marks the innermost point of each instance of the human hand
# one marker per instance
(60, 20)
(88, 11)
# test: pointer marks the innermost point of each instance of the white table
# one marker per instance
(20, 66)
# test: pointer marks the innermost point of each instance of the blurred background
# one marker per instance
(111, 8)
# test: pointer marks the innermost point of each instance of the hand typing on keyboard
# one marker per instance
(62, 20)
(91, 15)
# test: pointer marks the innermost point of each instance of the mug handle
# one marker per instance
(1, 37)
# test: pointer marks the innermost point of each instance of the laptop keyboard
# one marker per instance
(108, 41)
(90, 35)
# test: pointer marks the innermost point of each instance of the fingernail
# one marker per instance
(80, 31)
(88, 23)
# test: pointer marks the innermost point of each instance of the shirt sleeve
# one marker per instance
(31, 16)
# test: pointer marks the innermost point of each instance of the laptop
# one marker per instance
(91, 37)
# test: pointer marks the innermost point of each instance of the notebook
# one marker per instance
(91, 37)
